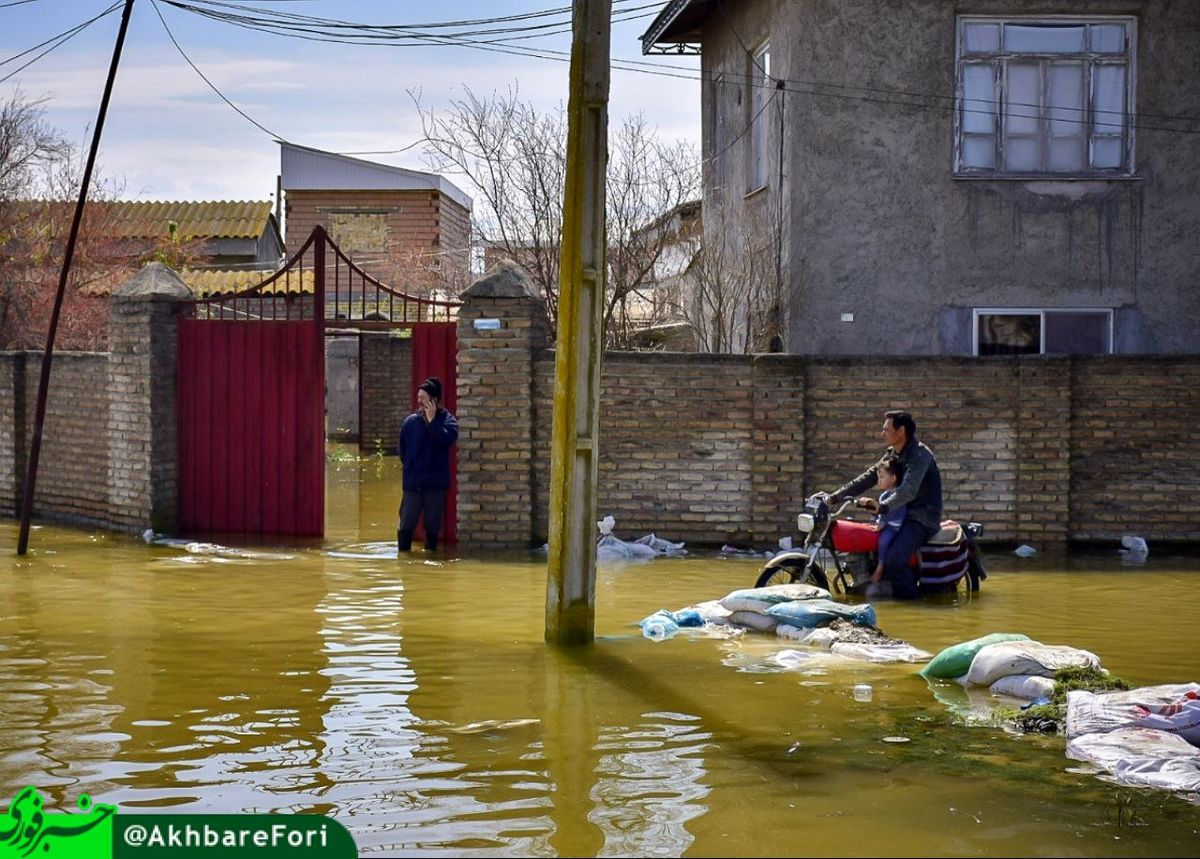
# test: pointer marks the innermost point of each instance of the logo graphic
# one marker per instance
(27, 830)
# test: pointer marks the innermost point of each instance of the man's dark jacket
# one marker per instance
(424, 450)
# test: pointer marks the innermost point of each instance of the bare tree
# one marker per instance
(515, 157)
(730, 293)
(40, 173)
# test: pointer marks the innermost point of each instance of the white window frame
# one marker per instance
(1041, 313)
(998, 61)
(760, 94)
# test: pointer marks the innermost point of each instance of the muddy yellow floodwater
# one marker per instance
(414, 700)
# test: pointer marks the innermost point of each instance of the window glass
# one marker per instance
(1021, 155)
(981, 38)
(1108, 98)
(1010, 334)
(979, 152)
(1043, 38)
(1108, 152)
(1107, 38)
(979, 105)
(1024, 101)
(1076, 332)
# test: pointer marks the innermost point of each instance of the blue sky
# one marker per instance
(168, 136)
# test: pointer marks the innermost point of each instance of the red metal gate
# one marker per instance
(434, 353)
(251, 389)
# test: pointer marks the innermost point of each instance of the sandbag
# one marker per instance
(818, 638)
(1027, 687)
(712, 611)
(1181, 718)
(879, 652)
(1098, 712)
(1141, 757)
(1025, 657)
(818, 612)
(754, 620)
(760, 599)
(954, 661)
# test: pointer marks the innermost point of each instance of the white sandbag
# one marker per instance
(1098, 712)
(661, 546)
(881, 652)
(712, 611)
(1027, 687)
(819, 638)
(1025, 657)
(754, 620)
(611, 548)
(1142, 757)
(760, 599)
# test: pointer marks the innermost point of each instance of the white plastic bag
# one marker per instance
(1098, 712)
(820, 638)
(880, 652)
(1142, 757)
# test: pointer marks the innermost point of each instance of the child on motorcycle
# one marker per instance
(891, 473)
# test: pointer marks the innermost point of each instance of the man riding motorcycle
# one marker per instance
(921, 490)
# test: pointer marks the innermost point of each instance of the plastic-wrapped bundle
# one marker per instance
(818, 612)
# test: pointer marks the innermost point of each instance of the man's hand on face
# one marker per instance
(429, 410)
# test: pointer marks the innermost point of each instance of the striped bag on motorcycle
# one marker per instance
(941, 565)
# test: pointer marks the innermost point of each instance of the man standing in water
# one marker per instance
(921, 490)
(426, 437)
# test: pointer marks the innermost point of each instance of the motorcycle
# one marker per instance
(851, 548)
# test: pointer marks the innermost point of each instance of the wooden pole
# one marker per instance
(39, 420)
(575, 441)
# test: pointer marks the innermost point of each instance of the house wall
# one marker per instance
(370, 225)
(878, 226)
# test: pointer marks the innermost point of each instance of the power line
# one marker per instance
(59, 40)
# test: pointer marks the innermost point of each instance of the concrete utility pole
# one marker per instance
(575, 443)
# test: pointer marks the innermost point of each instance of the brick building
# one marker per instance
(410, 229)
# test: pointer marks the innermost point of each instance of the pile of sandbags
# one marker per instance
(801, 613)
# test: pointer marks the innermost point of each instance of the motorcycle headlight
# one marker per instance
(805, 522)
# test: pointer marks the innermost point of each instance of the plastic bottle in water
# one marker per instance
(659, 626)
(862, 692)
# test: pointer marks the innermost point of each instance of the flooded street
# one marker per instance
(414, 700)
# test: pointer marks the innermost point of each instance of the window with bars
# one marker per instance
(1045, 96)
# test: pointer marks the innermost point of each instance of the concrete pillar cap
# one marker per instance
(505, 279)
(155, 280)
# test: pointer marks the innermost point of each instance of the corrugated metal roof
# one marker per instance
(220, 219)
(306, 169)
(205, 282)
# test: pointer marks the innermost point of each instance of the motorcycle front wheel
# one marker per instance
(786, 574)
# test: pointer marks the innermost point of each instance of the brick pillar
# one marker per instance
(143, 452)
(1044, 452)
(496, 410)
(777, 452)
(385, 370)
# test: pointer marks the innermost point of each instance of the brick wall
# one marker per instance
(72, 480)
(1041, 450)
(1135, 432)
(386, 388)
